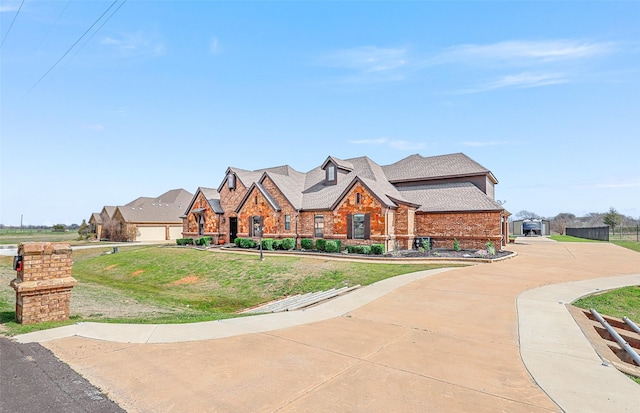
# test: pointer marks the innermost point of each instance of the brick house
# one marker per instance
(357, 201)
(145, 218)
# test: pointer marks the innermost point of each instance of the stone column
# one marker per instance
(43, 284)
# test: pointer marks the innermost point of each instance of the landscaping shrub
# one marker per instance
(366, 249)
(339, 244)
(184, 241)
(288, 244)
(456, 244)
(355, 249)
(267, 244)
(377, 249)
(245, 243)
(491, 249)
(306, 244)
(332, 246)
(277, 244)
(321, 244)
(203, 241)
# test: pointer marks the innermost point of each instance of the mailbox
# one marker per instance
(17, 263)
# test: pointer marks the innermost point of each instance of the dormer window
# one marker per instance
(231, 181)
(331, 174)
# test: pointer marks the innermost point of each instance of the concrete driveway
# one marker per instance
(445, 343)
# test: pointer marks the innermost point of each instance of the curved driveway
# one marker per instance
(448, 342)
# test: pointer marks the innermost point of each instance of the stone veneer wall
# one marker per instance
(43, 286)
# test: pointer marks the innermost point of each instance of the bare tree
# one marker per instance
(114, 230)
(561, 221)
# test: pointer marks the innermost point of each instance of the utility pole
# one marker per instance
(21, 222)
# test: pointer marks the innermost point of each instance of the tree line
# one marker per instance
(612, 218)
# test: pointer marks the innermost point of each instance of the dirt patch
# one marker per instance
(110, 267)
(136, 273)
(189, 279)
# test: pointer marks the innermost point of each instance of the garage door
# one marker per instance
(151, 234)
(175, 232)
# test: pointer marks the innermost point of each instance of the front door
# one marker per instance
(233, 229)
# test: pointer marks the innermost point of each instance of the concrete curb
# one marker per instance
(553, 349)
(174, 333)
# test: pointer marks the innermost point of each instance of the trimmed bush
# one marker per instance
(288, 244)
(204, 241)
(332, 246)
(245, 243)
(456, 244)
(184, 241)
(377, 249)
(359, 249)
(306, 244)
(339, 244)
(267, 244)
(321, 244)
(277, 244)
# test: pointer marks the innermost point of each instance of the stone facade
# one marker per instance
(210, 224)
(43, 284)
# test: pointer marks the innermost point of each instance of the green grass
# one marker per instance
(617, 303)
(568, 238)
(186, 285)
(16, 236)
(632, 245)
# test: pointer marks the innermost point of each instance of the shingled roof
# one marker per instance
(309, 191)
(166, 208)
(417, 167)
(453, 197)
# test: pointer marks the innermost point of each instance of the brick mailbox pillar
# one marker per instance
(44, 283)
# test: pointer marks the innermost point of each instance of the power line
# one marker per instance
(103, 23)
(11, 25)
(73, 45)
(53, 25)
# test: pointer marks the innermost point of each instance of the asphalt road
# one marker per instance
(32, 380)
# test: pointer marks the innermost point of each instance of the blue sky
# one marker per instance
(165, 94)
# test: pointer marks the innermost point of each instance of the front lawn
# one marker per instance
(153, 284)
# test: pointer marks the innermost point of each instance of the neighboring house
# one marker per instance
(358, 202)
(145, 218)
(97, 221)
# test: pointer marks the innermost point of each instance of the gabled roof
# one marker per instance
(340, 163)
(309, 191)
(290, 185)
(264, 193)
(166, 208)
(108, 210)
(417, 167)
(96, 217)
(211, 195)
(453, 197)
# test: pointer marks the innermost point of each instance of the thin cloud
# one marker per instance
(521, 80)
(519, 52)
(6, 8)
(394, 144)
(214, 46)
(368, 63)
(614, 185)
(135, 44)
